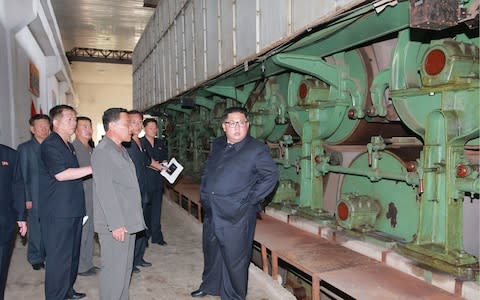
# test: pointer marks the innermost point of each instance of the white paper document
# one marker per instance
(174, 168)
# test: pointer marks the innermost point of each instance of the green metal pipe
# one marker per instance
(374, 175)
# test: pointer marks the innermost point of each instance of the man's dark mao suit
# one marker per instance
(30, 160)
(12, 207)
(141, 160)
(62, 209)
(155, 183)
(235, 180)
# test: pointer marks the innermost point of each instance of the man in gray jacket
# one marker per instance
(83, 150)
(117, 205)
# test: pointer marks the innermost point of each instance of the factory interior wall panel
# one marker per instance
(100, 86)
(202, 39)
(52, 91)
(164, 67)
(245, 29)
(273, 26)
(226, 36)
(211, 36)
(30, 81)
(163, 11)
(45, 33)
(171, 60)
(6, 100)
(63, 94)
(180, 53)
(29, 84)
(14, 15)
(160, 80)
(189, 41)
(199, 43)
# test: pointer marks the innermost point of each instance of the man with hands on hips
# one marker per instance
(238, 174)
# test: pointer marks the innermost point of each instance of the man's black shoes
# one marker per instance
(38, 266)
(135, 270)
(198, 293)
(161, 243)
(144, 263)
(77, 295)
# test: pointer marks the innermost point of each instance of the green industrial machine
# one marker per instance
(373, 119)
(441, 104)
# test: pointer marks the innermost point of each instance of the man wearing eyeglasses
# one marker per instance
(238, 174)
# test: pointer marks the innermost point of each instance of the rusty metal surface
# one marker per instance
(345, 269)
(434, 14)
(304, 250)
(377, 281)
(277, 235)
(318, 257)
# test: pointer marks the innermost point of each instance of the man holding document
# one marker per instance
(157, 149)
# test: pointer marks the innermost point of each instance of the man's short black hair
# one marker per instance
(83, 118)
(135, 112)
(38, 117)
(59, 109)
(149, 120)
(234, 109)
(112, 115)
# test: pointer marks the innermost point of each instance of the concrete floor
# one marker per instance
(176, 270)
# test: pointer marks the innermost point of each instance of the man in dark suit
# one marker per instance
(157, 149)
(12, 208)
(142, 161)
(238, 174)
(62, 206)
(30, 160)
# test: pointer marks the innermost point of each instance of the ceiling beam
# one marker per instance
(100, 55)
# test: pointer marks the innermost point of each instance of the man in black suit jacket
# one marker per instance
(62, 206)
(12, 208)
(238, 174)
(157, 150)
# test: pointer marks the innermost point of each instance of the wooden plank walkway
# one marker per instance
(329, 263)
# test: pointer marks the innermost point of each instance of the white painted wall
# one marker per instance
(25, 52)
(5, 98)
(101, 86)
(19, 47)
